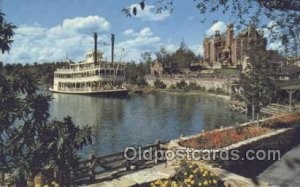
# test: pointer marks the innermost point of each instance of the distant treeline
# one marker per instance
(43, 72)
(172, 62)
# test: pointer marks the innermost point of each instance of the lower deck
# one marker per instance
(95, 92)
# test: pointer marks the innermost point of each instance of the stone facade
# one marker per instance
(156, 69)
(227, 50)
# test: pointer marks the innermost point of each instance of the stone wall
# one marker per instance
(282, 140)
(207, 83)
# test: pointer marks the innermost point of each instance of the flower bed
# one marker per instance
(224, 138)
(283, 121)
(190, 175)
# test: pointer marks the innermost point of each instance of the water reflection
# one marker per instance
(141, 119)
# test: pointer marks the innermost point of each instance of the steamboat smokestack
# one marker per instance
(95, 47)
(112, 47)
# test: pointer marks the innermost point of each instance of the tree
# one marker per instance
(6, 34)
(184, 57)
(159, 84)
(141, 82)
(29, 142)
(257, 84)
(284, 16)
(176, 61)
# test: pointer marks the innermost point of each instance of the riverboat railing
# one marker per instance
(100, 168)
(90, 67)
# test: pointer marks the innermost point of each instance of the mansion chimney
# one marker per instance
(229, 35)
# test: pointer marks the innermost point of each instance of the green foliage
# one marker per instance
(159, 84)
(6, 34)
(192, 86)
(237, 96)
(30, 143)
(257, 85)
(175, 62)
(218, 91)
(172, 86)
(44, 72)
(181, 85)
(141, 82)
(134, 72)
(283, 15)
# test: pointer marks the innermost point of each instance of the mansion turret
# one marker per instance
(228, 50)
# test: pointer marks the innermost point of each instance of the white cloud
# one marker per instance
(73, 36)
(170, 47)
(128, 32)
(273, 44)
(149, 14)
(220, 26)
(138, 42)
(197, 49)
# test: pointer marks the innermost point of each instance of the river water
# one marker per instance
(139, 120)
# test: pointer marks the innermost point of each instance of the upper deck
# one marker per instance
(89, 65)
(85, 66)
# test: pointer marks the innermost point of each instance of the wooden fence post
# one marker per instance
(128, 165)
(157, 143)
(92, 166)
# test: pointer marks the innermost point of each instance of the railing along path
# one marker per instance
(107, 167)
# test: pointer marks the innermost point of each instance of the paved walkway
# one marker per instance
(161, 172)
(139, 177)
(285, 172)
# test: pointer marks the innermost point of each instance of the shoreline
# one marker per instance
(178, 92)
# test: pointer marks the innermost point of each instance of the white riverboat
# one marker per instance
(93, 76)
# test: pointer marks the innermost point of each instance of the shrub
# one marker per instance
(181, 85)
(188, 174)
(217, 91)
(159, 84)
(172, 86)
(194, 86)
(141, 82)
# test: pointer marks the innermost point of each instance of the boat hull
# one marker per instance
(108, 93)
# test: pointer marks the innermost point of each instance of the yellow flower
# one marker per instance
(200, 183)
(205, 183)
(192, 182)
(173, 184)
(185, 173)
(164, 184)
(195, 171)
(191, 176)
(214, 181)
(55, 184)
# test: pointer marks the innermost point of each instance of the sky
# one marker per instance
(54, 30)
